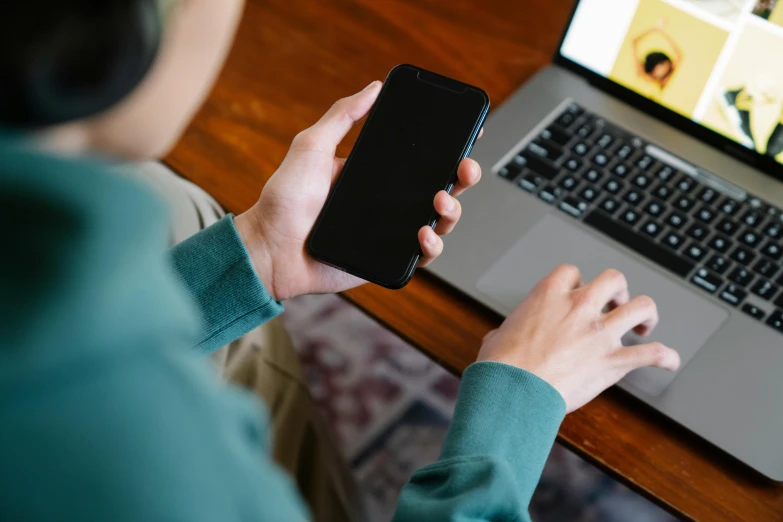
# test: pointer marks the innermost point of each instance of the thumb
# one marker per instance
(330, 130)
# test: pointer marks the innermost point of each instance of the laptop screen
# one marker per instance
(716, 62)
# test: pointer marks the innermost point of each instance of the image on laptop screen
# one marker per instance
(716, 62)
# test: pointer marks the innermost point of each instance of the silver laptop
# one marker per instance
(652, 145)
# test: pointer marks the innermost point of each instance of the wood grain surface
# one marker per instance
(294, 58)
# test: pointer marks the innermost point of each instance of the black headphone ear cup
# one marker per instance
(70, 82)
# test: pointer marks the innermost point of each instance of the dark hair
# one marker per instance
(68, 59)
(654, 59)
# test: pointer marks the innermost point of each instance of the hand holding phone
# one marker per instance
(275, 229)
(410, 147)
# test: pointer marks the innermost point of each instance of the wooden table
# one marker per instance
(293, 58)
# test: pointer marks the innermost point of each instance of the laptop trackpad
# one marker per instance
(687, 319)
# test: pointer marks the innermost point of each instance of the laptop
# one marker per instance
(653, 145)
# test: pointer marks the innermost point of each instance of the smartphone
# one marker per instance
(420, 128)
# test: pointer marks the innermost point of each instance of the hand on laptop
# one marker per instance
(275, 229)
(561, 334)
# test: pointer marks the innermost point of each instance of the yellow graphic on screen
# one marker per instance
(747, 104)
(668, 55)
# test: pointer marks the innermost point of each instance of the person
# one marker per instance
(657, 66)
(764, 8)
(109, 411)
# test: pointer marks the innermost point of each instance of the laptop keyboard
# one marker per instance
(723, 243)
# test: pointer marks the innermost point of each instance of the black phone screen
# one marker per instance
(418, 131)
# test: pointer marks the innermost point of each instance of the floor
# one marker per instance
(389, 408)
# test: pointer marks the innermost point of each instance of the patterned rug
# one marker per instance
(389, 408)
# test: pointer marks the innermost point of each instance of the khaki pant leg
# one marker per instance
(264, 362)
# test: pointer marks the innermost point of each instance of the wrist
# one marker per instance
(249, 229)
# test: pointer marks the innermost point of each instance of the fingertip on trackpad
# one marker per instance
(687, 319)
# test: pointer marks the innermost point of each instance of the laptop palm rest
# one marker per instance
(687, 320)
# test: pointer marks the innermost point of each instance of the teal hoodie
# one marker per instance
(109, 410)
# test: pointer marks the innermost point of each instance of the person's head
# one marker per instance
(117, 77)
(658, 65)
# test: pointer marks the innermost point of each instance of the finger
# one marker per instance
(608, 289)
(640, 315)
(449, 210)
(431, 245)
(468, 174)
(337, 167)
(489, 335)
(561, 280)
(329, 131)
(651, 354)
(481, 133)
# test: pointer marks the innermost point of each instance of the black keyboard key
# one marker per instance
(539, 165)
(772, 250)
(566, 119)
(757, 204)
(775, 320)
(705, 214)
(729, 206)
(621, 170)
(764, 289)
(766, 268)
(752, 218)
(644, 162)
(546, 149)
(662, 192)
(585, 130)
(589, 194)
(609, 206)
(743, 255)
(720, 243)
(613, 186)
(698, 231)
(741, 276)
(684, 203)
(573, 206)
(573, 164)
(733, 294)
(630, 216)
(652, 229)
(592, 175)
(556, 134)
(641, 181)
(634, 197)
(569, 183)
(718, 264)
(673, 240)
(728, 226)
(600, 159)
(695, 251)
(581, 148)
(605, 141)
(708, 195)
(655, 208)
(666, 173)
(675, 220)
(507, 173)
(686, 184)
(707, 280)
(531, 182)
(773, 229)
(625, 151)
(753, 311)
(547, 194)
(640, 244)
(750, 238)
